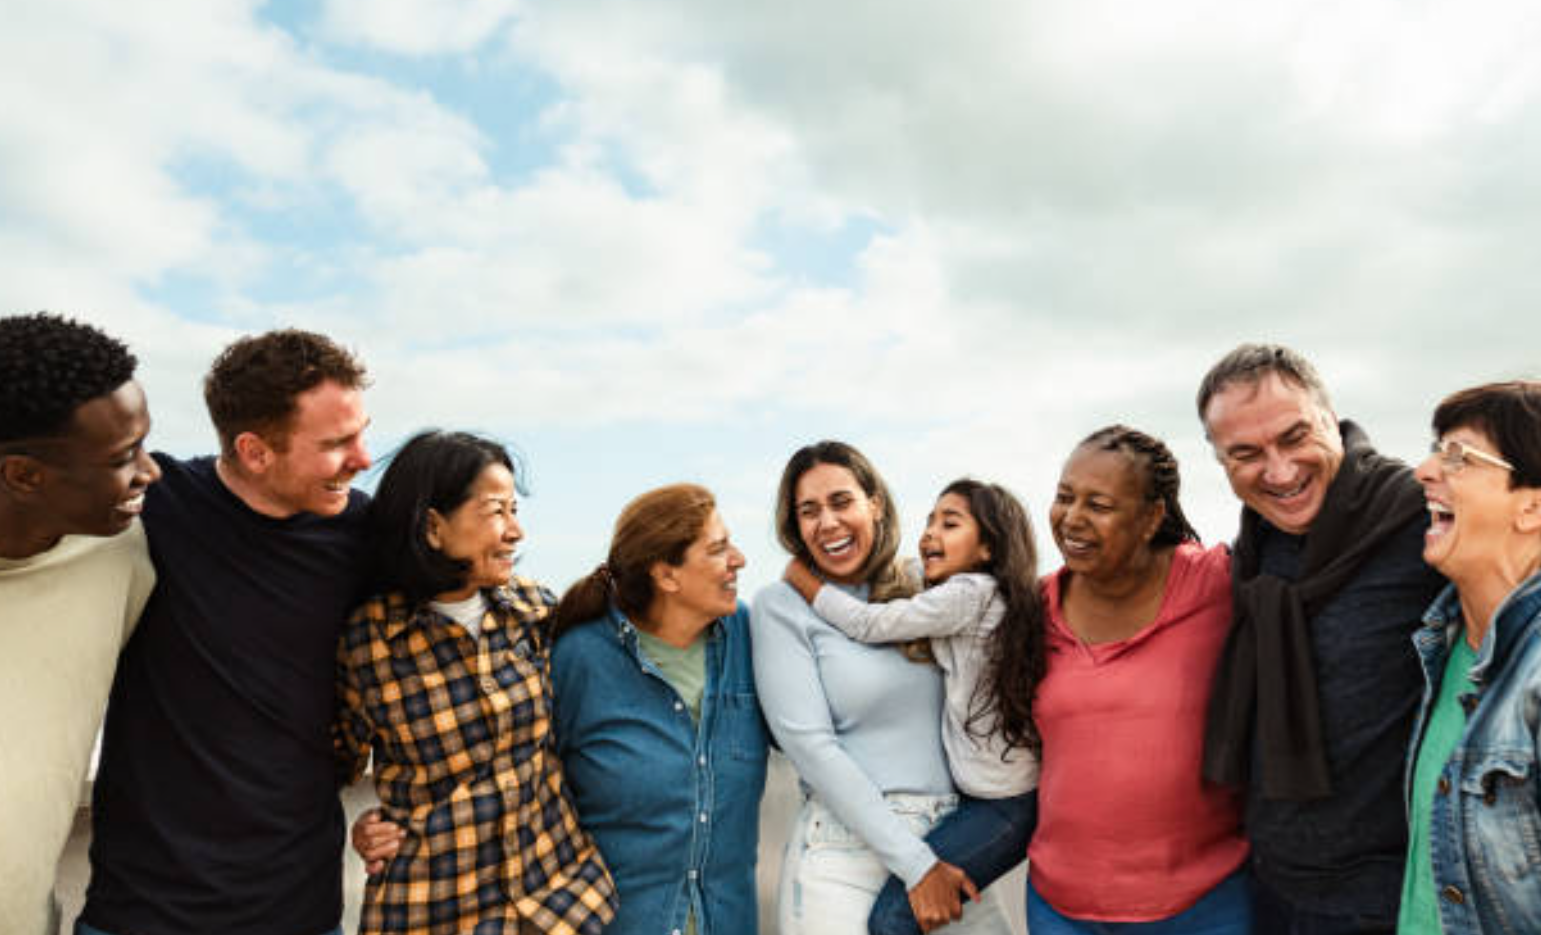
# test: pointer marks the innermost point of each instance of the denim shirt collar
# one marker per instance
(1515, 617)
(626, 633)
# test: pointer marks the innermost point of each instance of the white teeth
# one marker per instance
(838, 546)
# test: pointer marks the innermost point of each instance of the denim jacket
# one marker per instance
(673, 805)
(1485, 830)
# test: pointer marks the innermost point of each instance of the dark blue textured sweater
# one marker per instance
(1345, 854)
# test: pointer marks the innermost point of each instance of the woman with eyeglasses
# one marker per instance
(1474, 803)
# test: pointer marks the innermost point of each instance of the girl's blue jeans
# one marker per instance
(985, 838)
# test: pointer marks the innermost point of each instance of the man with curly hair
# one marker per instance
(74, 576)
(216, 807)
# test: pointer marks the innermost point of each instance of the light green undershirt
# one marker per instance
(685, 670)
(1420, 902)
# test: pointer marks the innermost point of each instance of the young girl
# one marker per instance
(984, 618)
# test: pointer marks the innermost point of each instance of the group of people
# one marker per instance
(1331, 725)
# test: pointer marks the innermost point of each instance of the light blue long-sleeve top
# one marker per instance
(856, 721)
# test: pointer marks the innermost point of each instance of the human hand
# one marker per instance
(376, 840)
(935, 900)
(802, 579)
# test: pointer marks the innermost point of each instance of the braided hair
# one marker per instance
(1162, 481)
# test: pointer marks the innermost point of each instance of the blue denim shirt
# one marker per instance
(1485, 830)
(674, 805)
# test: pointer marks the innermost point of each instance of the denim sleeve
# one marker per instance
(792, 697)
(948, 609)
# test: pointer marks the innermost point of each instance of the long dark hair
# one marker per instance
(1015, 657)
(434, 470)
(881, 572)
(1162, 481)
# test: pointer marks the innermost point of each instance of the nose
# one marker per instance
(146, 471)
(358, 456)
(736, 558)
(1277, 469)
(513, 532)
(1429, 470)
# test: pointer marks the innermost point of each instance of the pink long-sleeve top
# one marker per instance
(1128, 830)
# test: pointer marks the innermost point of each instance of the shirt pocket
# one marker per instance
(740, 729)
(1503, 821)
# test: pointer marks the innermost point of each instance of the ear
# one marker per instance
(1157, 516)
(254, 453)
(984, 553)
(665, 578)
(433, 529)
(1528, 519)
(877, 505)
(23, 475)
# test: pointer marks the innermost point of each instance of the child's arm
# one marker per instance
(802, 579)
(948, 609)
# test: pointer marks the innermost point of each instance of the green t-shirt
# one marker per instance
(1420, 903)
(684, 669)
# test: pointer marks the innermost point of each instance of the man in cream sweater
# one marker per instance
(74, 575)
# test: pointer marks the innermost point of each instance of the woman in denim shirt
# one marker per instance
(656, 718)
(1474, 864)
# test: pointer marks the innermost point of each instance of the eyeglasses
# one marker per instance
(1453, 456)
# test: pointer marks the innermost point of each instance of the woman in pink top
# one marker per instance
(1129, 832)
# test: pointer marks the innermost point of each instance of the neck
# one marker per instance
(23, 536)
(674, 625)
(247, 490)
(1143, 571)
(1481, 594)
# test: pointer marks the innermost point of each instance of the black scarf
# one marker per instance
(1266, 678)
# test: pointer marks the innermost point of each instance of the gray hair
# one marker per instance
(1250, 363)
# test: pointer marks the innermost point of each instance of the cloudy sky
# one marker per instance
(675, 239)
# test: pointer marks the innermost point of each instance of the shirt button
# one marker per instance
(701, 760)
(703, 818)
(678, 706)
(692, 874)
(1444, 785)
(1453, 894)
(489, 684)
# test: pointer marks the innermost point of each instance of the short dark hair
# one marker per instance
(434, 470)
(49, 367)
(1250, 363)
(252, 385)
(1155, 462)
(1509, 413)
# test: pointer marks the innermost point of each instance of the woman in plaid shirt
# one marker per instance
(445, 676)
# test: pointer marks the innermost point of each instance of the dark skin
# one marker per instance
(88, 480)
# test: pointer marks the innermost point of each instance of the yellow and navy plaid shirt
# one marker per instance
(464, 761)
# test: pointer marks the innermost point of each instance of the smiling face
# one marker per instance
(323, 451)
(836, 520)
(950, 544)
(97, 473)
(1280, 448)
(705, 582)
(1101, 518)
(1475, 517)
(481, 531)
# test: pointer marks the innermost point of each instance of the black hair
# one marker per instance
(1162, 480)
(1509, 413)
(434, 470)
(1016, 658)
(49, 367)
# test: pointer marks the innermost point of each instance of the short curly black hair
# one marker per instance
(49, 366)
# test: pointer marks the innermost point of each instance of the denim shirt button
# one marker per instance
(1454, 895)
(692, 874)
(1444, 785)
(701, 761)
(703, 818)
(679, 706)
(1490, 797)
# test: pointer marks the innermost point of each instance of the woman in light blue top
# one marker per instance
(861, 724)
